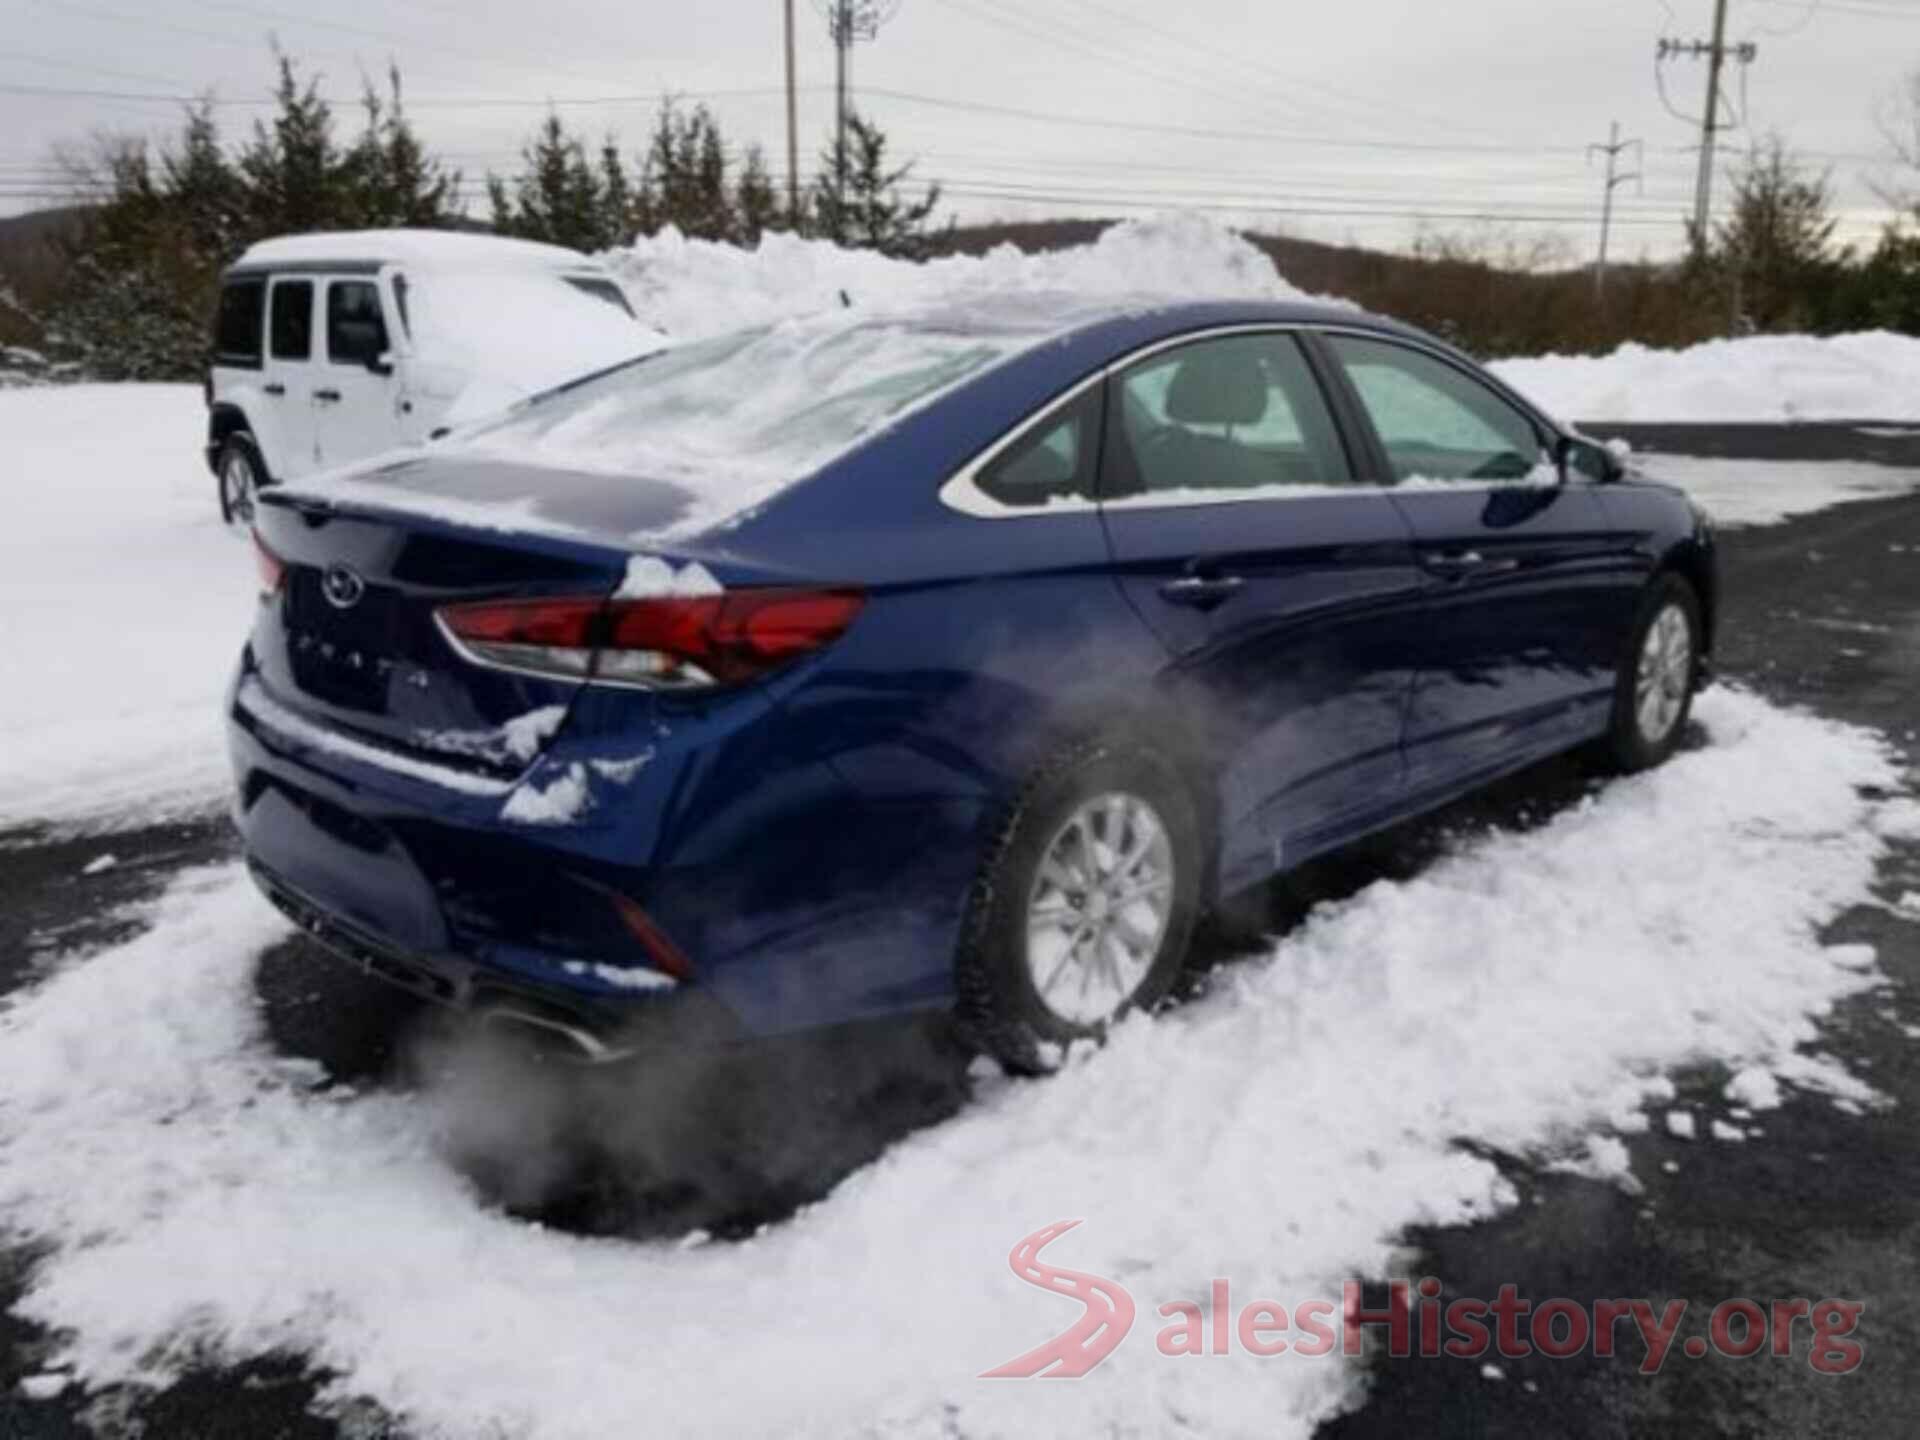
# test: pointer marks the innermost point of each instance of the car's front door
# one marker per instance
(1530, 588)
(286, 427)
(1284, 590)
(356, 398)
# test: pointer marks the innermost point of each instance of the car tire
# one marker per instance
(238, 475)
(1657, 676)
(1043, 963)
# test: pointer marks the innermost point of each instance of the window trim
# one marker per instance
(961, 492)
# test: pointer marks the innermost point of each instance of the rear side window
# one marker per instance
(292, 320)
(1056, 459)
(356, 328)
(1238, 414)
(238, 323)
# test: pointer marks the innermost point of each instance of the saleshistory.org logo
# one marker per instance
(1415, 1321)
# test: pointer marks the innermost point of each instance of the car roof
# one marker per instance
(369, 249)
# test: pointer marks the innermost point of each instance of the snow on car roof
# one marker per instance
(414, 247)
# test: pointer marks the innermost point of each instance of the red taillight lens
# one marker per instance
(668, 643)
(273, 570)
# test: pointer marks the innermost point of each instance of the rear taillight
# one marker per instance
(273, 570)
(667, 643)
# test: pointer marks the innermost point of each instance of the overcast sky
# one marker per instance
(1362, 119)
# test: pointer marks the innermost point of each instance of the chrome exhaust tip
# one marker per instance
(575, 1042)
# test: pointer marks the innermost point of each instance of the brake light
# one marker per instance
(273, 570)
(665, 643)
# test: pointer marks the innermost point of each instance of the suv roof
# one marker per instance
(369, 249)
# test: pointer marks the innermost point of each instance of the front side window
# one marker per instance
(292, 321)
(356, 329)
(238, 325)
(1220, 419)
(1054, 460)
(1436, 422)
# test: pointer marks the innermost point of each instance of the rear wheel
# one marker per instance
(1084, 908)
(1653, 693)
(240, 474)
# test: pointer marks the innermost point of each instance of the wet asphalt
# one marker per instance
(1822, 612)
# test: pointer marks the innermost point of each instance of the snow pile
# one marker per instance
(1525, 993)
(123, 604)
(1768, 378)
(696, 288)
(1765, 492)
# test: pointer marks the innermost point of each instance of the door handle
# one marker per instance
(1453, 564)
(331, 397)
(1202, 592)
(275, 389)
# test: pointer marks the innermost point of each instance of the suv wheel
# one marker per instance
(1084, 908)
(240, 474)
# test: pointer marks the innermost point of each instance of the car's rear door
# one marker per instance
(1529, 586)
(1282, 589)
(289, 379)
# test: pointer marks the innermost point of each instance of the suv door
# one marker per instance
(356, 398)
(287, 429)
(1530, 590)
(1283, 590)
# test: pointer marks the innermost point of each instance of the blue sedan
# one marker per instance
(875, 662)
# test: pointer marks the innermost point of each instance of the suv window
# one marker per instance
(238, 323)
(1237, 414)
(292, 320)
(1053, 460)
(356, 328)
(1437, 422)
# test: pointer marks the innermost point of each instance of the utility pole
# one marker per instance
(848, 23)
(1717, 53)
(793, 129)
(1613, 149)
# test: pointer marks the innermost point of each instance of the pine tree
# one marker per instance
(1775, 252)
(297, 180)
(756, 208)
(686, 175)
(558, 197)
(857, 200)
(392, 178)
(616, 201)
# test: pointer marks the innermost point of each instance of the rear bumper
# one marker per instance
(423, 875)
(599, 1032)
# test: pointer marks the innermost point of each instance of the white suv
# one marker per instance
(330, 348)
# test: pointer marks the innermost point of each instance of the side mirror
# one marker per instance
(1575, 455)
(381, 364)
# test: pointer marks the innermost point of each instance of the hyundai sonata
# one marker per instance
(955, 658)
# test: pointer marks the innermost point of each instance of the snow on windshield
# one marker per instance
(736, 418)
(511, 333)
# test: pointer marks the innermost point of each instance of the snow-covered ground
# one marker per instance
(1765, 378)
(1528, 993)
(123, 602)
(190, 1192)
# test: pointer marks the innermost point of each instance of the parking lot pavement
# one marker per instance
(1822, 612)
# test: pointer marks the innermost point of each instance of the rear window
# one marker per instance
(292, 319)
(734, 419)
(237, 324)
